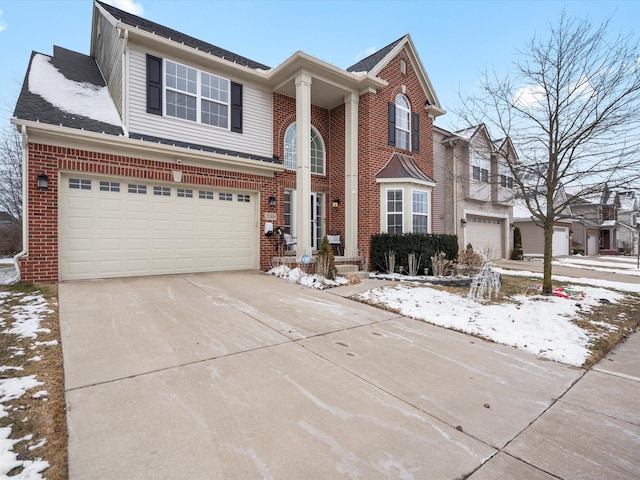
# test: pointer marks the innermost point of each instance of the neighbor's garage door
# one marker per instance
(114, 228)
(560, 243)
(485, 234)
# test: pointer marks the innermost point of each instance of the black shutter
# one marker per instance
(415, 131)
(392, 124)
(154, 85)
(236, 107)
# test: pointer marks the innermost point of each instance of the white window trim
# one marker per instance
(427, 214)
(480, 160)
(293, 154)
(407, 112)
(407, 203)
(198, 95)
(402, 210)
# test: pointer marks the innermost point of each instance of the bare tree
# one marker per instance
(11, 174)
(570, 104)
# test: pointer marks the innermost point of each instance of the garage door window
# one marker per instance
(109, 186)
(162, 191)
(243, 198)
(80, 184)
(136, 188)
(205, 195)
(225, 197)
(185, 193)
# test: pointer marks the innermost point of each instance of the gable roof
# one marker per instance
(176, 36)
(373, 64)
(401, 166)
(77, 69)
(367, 64)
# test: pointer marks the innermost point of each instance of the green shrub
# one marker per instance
(518, 253)
(423, 245)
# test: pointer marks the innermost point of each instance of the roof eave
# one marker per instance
(104, 140)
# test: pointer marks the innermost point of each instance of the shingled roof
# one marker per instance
(367, 64)
(403, 166)
(170, 34)
(75, 67)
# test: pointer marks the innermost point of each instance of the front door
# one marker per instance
(316, 220)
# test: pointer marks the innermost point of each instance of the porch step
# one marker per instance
(350, 271)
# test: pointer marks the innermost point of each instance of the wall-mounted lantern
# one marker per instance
(43, 181)
(272, 201)
(335, 203)
(463, 221)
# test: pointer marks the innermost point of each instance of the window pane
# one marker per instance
(214, 114)
(420, 224)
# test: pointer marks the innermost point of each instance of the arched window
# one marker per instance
(403, 122)
(317, 150)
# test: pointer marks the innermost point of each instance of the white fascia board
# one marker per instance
(120, 145)
(407, 181)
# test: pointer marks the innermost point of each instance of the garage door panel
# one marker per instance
(120, 233)
(485, 234)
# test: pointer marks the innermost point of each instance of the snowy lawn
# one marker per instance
(543, 325)
(32, 428)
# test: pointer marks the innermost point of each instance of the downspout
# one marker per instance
(25, 205)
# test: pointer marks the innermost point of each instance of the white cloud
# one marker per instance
(365, 53)
(529, 95)
(3, 25)
(130, 6)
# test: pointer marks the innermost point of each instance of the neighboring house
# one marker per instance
(160, 153)
(475, 193)
(599, 209)
(628, 222)
(533, 234)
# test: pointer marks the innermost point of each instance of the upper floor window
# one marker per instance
(506, 179)
(317, 150)
(403, 122)
(197, 96)
(481, 164)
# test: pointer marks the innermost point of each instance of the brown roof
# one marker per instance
(403, 166)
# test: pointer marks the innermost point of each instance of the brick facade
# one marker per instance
(41, 263)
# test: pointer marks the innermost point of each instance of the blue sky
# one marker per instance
(456, 40)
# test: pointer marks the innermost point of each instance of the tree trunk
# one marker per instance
(547, 285)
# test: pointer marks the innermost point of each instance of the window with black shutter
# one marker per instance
(236, 107)
(154, 85)
(392, 124)
(415, 134)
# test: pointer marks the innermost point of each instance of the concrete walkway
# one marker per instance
(243, 376)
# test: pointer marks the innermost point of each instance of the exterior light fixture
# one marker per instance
(335, 203)
(272, 201)
(513, 226)
(463, 221)
(43, 181)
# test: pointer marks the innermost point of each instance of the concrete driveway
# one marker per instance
(243, 375)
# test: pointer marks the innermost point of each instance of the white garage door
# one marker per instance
(485, 234)
(560, 242)
(114, 228)
(592, 245)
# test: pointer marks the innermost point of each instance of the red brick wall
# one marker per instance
(41, 262)
(284, 114)
(374, 152)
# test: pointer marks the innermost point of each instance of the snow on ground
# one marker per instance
(27, 316)
(533, 323)
(8, 272)
(536, 324)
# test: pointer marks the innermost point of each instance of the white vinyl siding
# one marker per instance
(257, 114)
(108, 52)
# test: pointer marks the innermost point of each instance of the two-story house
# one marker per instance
(475, 190)
(598, 211)
(160, 153)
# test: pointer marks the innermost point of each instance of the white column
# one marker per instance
(351, 175)
(303, 168)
